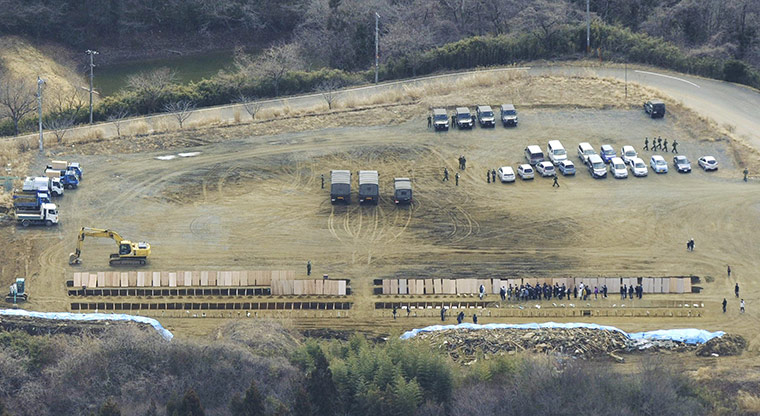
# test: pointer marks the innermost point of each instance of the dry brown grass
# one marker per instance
(749, 402)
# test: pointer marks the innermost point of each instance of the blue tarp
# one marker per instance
(688, 335)
(90, 317)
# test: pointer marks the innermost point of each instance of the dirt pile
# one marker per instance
(464, 345)
(34, 326)
(728, 344)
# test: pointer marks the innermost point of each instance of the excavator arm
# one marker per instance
(127, 249)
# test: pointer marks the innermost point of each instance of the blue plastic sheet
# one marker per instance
(90, 317)
(687, 335)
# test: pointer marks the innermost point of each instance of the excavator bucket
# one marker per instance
(74, 259)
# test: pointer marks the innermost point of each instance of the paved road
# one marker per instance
(726, 103)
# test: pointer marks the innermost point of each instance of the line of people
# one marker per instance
(526, 292)
(659, 144)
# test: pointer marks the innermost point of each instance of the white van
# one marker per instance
(584, 151)
(533, 154)
(556, 152)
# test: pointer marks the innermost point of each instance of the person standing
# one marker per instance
(741, 306)
(481, 291)
(503, 293)
(308, 268)
(493, 175)
(604, 290)
(475, 316)
(646, 143)
(725, 302)
(394, 312)
(456, 178)
(443, 314)
(596, 292)
(728, 267)
(464, 162)
(623, 290)
(323, 180)
(675, 143)
(746, 173)
(459, 318)
(488, 176)
(555, 182)
(445, 174)
(430, 121)
(736, 289)
(630, 291)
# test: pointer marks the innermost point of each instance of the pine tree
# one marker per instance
(320, 385)
(252, 404)
(302, 405)
(152, 410)
(190, 405)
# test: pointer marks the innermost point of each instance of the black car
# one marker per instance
(655, 109)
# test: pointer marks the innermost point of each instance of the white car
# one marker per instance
(596, 166)
(525, 171)
(566, 167)
(628, 153)
(506, 174)
(658, 164)
(708, 163)
(638, 167)
(546, 168)
(617, 168)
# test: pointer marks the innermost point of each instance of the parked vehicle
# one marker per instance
(638, 167)
(508, 115)
(41, 183)
(618, 168)
(369, 187)
(340, 186)
(628, 153)
(463, 118)
(566, 167)
(30, 201)
(682, 164)
(485, 116)
(596, 166)
(62, 165)
(525, 171)
(655, 108)
(556, 152)
(47, 215)
(68, 178)
(607, 153)
(402, 191)
(506, 174)
(546, 168)
(533, 154)
(440, 119)
(658, 164)
(584, 151)
(708, 163)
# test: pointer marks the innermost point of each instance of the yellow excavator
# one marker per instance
(129, 252)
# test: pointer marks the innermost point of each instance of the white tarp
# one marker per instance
(90, 317)
(688, 335)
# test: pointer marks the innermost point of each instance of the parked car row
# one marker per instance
(463, 118)
(598, 164)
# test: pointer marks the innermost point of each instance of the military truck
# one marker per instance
(369, 188)
(440, 119)
(340, 186)
(463, 118)
(402, 193)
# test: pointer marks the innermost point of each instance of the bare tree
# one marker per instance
(250, 104)
(17, 99)
(181, 110)
(72, 101)
(153, 85)
(273, 63)
(60, 125)
(329, 89)
(117, 118)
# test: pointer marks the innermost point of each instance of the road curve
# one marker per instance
(724, 102)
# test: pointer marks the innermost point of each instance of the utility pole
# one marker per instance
(377, 45)
(92, 65)
(626, 81)
(40, 83)
(588, 27)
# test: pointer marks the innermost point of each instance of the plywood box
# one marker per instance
(77, 279)
(132, 279)
(674, 285)
(665, 285)
(244, 278)
(386, 286)
(204, 279)
(449, 286)
(647, 284)
(101, 279)
(687, 285)
(613, 285)
(411, 287)
(92, 282)
(59, 165)
(141, 279)
(124, 280)
(394, 286)
(402, 287)
(656, 285)
(342, 288)
(172, 279)
(320, 287)
(164, 279)
(264, 279)
(679, 285)
(235, 279)
(438, 286)
(156, 279)
(196, 279)
(212, 278)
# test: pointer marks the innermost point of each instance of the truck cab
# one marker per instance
(47, 215)
(402, 193)
(68, 178)
(369, 188)
(485, 116)
(463, 118)
(508, 115)
(440, 119)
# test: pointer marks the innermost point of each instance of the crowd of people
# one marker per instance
(526, 292)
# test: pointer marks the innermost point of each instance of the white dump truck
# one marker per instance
(52, 186)
(47, 215)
